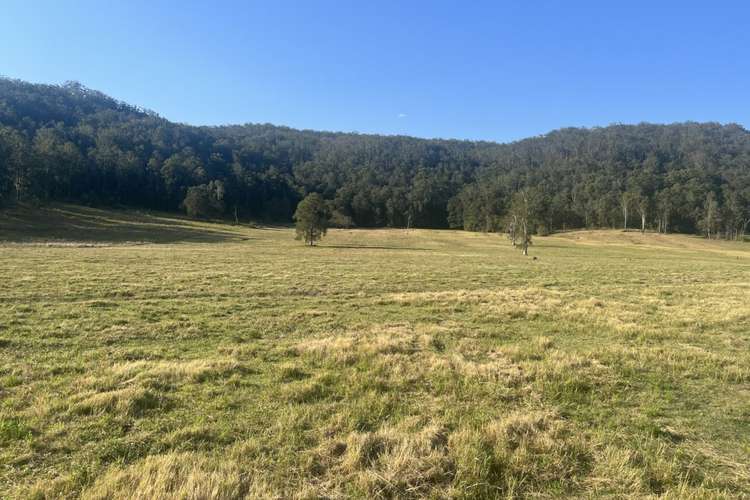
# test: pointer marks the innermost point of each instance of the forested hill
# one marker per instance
(70, 143)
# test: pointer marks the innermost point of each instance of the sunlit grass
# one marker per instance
(149, 356)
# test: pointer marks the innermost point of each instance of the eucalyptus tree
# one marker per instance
(524, 210)
(312, 217)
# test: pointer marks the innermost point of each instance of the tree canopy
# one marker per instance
(312, 218)
(70, 143)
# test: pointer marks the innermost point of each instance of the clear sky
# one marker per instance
(477, 70)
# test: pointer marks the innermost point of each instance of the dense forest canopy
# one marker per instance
(70, 143)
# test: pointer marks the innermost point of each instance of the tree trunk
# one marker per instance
(18, 185)
(643, 223)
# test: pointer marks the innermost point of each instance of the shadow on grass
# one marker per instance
(374, 247)
(550, 245)
(68, 223)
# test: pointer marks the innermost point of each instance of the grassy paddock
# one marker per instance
(145, 356)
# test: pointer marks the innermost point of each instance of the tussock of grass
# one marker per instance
(396, 464)
(494, 370)
(305, 392)
(133, 388)
(174, 475)
(521, 454)
(290, 372)
(175, 371)
(12, 429)
(131, 401)
(380, 340)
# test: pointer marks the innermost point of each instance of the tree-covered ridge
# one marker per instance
(667, 175)
(74, 144)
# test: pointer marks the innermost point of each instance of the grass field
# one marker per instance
(146, 356)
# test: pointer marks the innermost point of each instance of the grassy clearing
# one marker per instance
(230, 362)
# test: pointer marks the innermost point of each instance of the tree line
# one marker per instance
(689, 178)
(70, 143)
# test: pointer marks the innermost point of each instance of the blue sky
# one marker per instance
(472, 70)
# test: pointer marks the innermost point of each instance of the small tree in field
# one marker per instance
(312, 217)
(523, 212)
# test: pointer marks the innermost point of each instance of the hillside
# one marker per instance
(70, 143)
(65, 224)
(147, 355)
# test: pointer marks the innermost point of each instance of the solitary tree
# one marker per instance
(312, 217)
(523, 211)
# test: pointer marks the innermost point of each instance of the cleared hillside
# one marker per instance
(151, 355)
(73, 224)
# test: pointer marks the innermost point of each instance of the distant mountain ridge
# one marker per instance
(70, 143)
